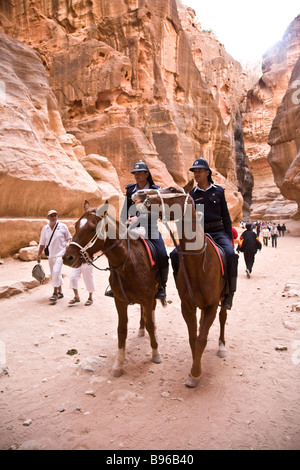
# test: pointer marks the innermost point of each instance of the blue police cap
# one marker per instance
(202, 163)
(140, 166)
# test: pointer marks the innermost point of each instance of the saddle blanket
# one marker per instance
(220, 252)
(150, 254)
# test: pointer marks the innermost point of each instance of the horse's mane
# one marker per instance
(120, 227)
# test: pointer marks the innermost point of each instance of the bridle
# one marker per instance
(84, 250)
(85, 255)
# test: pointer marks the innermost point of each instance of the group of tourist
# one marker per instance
(268, 230)
(260, 226)
(249, 242)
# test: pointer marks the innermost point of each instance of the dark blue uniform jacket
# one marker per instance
(216, 214)
(145, 220)
(148, 222)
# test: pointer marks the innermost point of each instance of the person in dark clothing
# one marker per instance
(258, 227)
(279, 228)
(217, 221)
(283, 229)
(248, 244)
(132, 219)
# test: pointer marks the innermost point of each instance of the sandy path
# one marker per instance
(250, 400)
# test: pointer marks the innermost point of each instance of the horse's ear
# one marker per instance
(189, 186)
(86, 205)
(106, 207)
(102, 211)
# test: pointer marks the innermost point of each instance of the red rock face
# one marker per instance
(127, 87)
(36, 155)
(270, 126)
(284, 140)
(114, 81)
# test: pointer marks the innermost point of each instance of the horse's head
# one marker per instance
(156, 196)
(156, 200)
(88, 238)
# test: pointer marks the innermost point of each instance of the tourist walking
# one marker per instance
(258, 228)
(54, 239)
(249, 244)
(279, 228)
(266, 235)
(274, 235)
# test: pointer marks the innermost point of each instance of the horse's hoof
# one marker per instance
(222, 353)
(141, 332)
(192, 382)
(116, 373)
(222, 350)
(156, 359)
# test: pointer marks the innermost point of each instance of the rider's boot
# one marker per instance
(227, 302)
(163, 277)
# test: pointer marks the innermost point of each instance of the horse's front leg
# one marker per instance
(188, 311)
(117, 369)
(222, 317)
(207, 317)
(149, 315)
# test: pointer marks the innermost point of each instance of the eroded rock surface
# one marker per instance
(263, 101)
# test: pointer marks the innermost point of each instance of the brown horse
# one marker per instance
(199, 281)
(132, 278)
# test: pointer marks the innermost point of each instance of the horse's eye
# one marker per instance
(93, 229)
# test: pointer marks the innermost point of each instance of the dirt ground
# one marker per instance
(54, 400)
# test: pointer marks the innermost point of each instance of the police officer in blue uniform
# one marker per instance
(130, 217)
(217, 221)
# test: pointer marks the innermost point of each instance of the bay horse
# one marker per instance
(133, 279)
(200, 281)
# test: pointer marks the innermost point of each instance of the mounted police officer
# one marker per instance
(217, 221)
(132, 218)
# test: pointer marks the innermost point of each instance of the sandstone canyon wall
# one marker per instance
(37, 162)
(229, 84)
(126, 87)
(274, 193)
(284, 140)
(92, 87)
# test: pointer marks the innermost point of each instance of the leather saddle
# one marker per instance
(223, 261)
(221, 254)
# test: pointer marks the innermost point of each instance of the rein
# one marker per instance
(83, 252)
(177, 245)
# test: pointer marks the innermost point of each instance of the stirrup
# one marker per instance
(109, 293)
